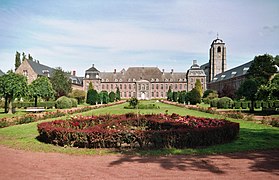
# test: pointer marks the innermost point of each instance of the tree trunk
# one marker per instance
(10, 101)
(6, 104)
(252, 106)
(36, 101)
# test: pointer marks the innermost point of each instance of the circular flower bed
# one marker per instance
(143, 131)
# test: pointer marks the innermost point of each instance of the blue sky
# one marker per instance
(116, 34)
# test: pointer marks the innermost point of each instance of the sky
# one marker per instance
(116, 34)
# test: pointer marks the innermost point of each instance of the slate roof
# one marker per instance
(1, 73)
(195, 70)
(40, 68)
(133, 74)
(234, 72)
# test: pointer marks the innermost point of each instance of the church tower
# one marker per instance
(217, 58)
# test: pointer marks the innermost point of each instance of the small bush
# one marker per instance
(63, 103)
(244, 104)
(214, 102)
(258, 104)
(236, 115)
(237, 105)
(74, 102)
(265, 104)
(225, 103)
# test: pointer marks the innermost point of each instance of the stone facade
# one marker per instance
(193, 74)
(26, 69)
(143, 82)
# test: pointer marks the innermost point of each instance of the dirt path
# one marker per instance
(17, 164)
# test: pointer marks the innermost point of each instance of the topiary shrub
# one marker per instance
(214, 102)
(74, 102)
(225, 103)
(244, 104)
(63, 103)
(258, 104)
(237, 105)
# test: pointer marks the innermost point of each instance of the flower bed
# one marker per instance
(143, 131)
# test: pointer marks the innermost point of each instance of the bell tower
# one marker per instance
(217, 58)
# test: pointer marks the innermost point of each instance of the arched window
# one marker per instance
(219, 49)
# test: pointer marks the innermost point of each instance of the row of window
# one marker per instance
(144, 86)
(152, 80)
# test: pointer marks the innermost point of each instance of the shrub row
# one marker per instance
(27, 118)
(143, 131)
(46, 105)
(225, 103)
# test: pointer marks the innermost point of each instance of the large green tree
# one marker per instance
(60, 82)
(262, 69)
(194, 96)
(17, 60)
(41, 87)
(111, 96)
(12, 86)
(248, 90)
(92, 97)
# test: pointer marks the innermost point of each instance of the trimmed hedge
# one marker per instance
(143, 131)
(63, 103)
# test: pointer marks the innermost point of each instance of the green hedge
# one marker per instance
(46, 105)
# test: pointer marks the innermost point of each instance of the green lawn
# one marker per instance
(252, 136)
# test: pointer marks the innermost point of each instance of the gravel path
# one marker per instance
(18, 164)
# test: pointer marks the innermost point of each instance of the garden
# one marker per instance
(136, 138)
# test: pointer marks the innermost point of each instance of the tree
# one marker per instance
(198, 87)
(90, 86)
(92, 97)
(181, 97)
(78, 94)
(30, 57)
(23, 57)
(12, 86)
(17, 60)
(248, 89)
(41, 87)
(117, 94)
(261, 69)
(274, 87)
(194, 96)
(228, 91)
(133, 102)
(276, 59)
(60, 83)
(174, 96)
(207, 92)
(111, 96)
(105, 97)
(169, 94)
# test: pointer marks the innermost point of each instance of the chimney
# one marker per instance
(194, 62)
(171, 71)
(92, 65)
(163, 71)
(74, 73)
(114, 71)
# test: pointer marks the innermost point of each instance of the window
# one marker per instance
(152, 86)
(130, 86)
(125, 86)
(180, 86)
(120, 86)
(219, 49)
(157, 86)
(25, 73)
(175, 86)
(162, 86)
(111, 86)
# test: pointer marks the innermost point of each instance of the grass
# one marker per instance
(252, 136)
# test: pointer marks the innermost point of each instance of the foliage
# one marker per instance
(92, 97)
(74, 102)
(225, 103)
(63, 103)
(144, 131)
(103, 97)
(12, 86)
(111, 96)
(182, 97)
(207, 92)
(41, 87)
(262, 68)
(60, 83)
(174, 96)
(78, 94)
(169, 94)
(228, 91)
(210, 96)
(248, 89)
(198, 87)
(133, 102)
(117, 94)
(214, 102)
(17, 60)
(90, 86)
(194, 96)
